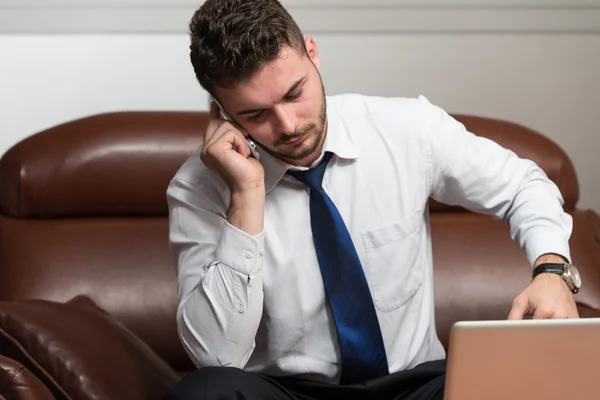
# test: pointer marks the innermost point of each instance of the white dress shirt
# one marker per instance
(258, 302)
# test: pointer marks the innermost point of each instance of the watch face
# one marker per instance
(575, 276)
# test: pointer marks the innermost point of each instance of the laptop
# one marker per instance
(524, 360)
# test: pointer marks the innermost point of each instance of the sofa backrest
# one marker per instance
(83, 212)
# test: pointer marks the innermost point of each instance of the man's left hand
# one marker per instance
(546, 297)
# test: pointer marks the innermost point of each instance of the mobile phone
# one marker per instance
(251, 144)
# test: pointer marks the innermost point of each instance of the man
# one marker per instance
(307, 274)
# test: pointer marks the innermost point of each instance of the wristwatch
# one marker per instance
(568, 272)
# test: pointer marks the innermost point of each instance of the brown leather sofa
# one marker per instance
(87, 287)
(18, 383)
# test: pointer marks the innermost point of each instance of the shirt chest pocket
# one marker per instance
(393, 262)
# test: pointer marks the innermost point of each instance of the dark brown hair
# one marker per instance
(232, 39)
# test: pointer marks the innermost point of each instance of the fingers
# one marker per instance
(520, 308)
(224, 139)
(222, 131)
(211, 129)
(561, 311)
(545, 313)
(547, 309)
(239, 141)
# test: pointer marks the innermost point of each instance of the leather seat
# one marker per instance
(18, 383)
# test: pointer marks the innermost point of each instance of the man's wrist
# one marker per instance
(555, 266)
(550, 258)
(246, 210)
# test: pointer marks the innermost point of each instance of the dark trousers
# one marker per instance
(425, 382)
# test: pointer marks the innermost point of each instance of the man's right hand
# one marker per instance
(221, 139)
(243, 173)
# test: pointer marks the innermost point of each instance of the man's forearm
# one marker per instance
(219, 271)
(219, 320)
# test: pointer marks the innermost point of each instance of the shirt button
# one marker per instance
(249, 255)
(241, 309)
(262, 253)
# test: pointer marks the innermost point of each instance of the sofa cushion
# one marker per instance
(122, 264)
(80, 352)
(18, 383)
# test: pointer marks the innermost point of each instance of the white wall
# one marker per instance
(545, 75)
(50, 79)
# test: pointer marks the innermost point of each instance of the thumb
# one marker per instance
(519, 309)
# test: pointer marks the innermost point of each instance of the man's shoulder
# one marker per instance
(194, 177)
(360, 105)
(401, 118)
(192, 170)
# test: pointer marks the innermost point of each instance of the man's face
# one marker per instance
(282, 106)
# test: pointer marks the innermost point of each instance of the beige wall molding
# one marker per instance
(314, 16)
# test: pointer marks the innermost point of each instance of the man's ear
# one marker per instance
(313, 52)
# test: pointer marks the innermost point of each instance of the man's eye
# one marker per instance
(256, 117)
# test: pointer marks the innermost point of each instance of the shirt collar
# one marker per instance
(337, 141)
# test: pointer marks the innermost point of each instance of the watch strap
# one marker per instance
(558, 269)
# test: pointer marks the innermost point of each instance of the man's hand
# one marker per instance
(226, 153)
(547, 297)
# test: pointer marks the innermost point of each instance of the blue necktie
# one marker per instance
(361, 343)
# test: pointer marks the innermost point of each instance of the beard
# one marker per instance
(314, 131)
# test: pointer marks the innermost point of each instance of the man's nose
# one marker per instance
(286, 120)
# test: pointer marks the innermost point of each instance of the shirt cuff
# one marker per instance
(540, 243)
(239, 250)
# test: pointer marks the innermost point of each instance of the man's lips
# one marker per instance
(293, 140)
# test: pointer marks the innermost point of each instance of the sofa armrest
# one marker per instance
(18, 383)
(585, 252)
(78, 351)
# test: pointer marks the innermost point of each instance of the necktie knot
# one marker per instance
(313, 178)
